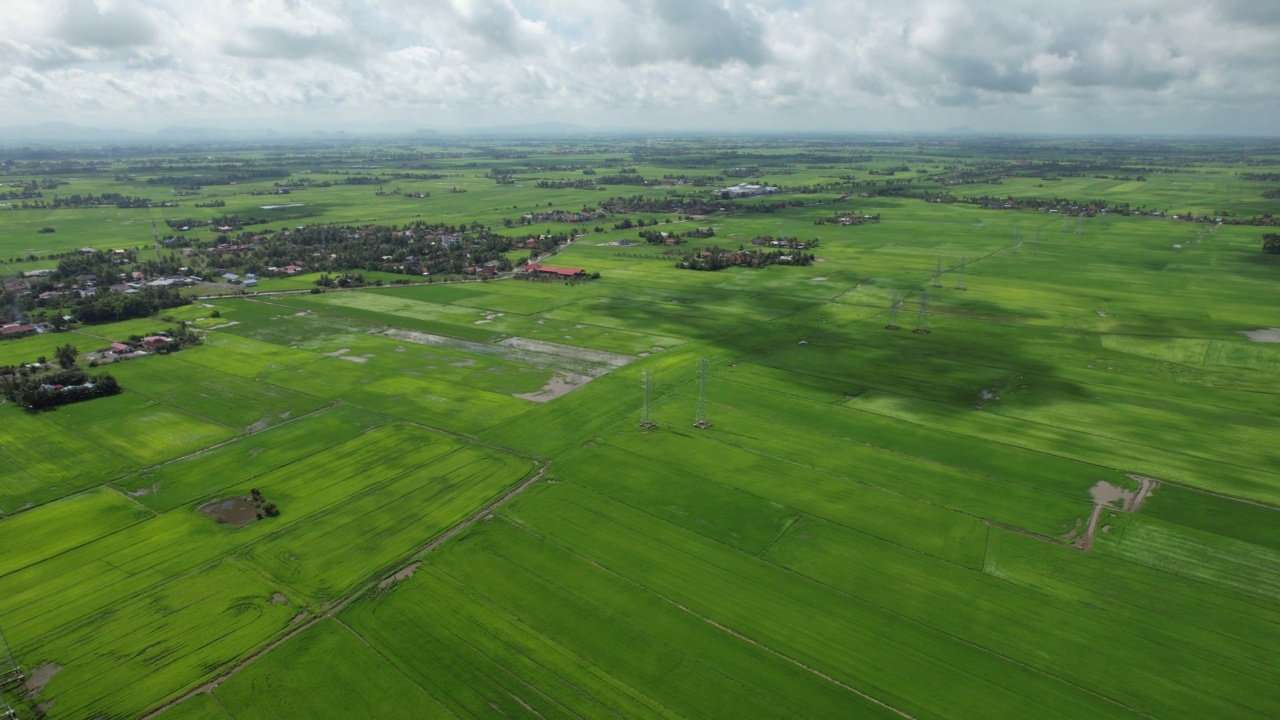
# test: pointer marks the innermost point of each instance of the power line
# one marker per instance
(922, 318)
(702, 421)
(646, 420)
(895, 304)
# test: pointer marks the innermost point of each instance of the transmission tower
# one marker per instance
(895, 304)
(964, 262)
(1080, 224)
(702, 421)
(155, 237)
(10, 671)
(937, 274)
(1066, 223)
(1035, 249)
(646, 421)
(922, 318)
(1017, 233)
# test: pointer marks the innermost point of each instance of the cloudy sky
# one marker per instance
(1119, 66)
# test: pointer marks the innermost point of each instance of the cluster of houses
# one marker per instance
(118, 351)
(782, 242)
(547, 270)
(17, 330)
(563, 216)
(747, 190)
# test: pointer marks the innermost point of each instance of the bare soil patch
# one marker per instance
(337, 353)
(403, 574)
(40, 676)
(236, 511)
(1106, 495)
(152, 490)
(355, 358)
(1267, 335)
(279, 599)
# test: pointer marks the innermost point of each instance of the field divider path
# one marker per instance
(890, 610)
(228, 441)
(359, 592)
(900, 453)
(391, 664)
(132, 499)
(719, 626)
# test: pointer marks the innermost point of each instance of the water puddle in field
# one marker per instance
(1267, 335)
(558, 385)
(1108, 496)
(570, 367)
(236, 512)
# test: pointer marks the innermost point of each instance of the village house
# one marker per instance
(557, 271)
(16, 330)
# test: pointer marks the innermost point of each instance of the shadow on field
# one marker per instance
(962, 363)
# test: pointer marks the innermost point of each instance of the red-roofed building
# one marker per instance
(548, 270)
(16, 330)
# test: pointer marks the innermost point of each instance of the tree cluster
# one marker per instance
(718, 258)
(41, 391)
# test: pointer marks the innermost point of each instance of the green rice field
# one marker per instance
(971, 462)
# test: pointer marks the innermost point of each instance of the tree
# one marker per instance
(1271, 244)
(66, 355)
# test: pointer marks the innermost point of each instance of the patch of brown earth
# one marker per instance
(337, 353)
(279, 599)
(355, 358)
(236, 511)
(39, 677)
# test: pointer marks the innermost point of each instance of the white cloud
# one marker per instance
(812, 64)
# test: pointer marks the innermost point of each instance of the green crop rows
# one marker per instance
(878, 523)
